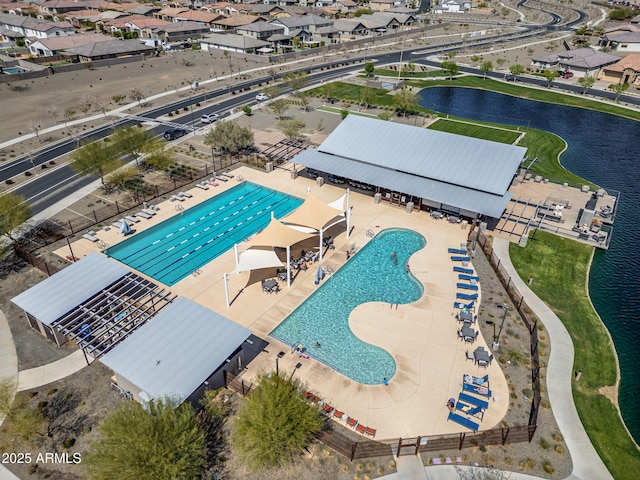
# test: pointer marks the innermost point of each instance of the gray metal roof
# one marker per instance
(57, 295)
(456, 195)
(436, 156)
(176, 351)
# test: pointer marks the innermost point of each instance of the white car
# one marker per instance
(209, 118)
(261, 97)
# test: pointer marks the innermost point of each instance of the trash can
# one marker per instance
(319, 181)
(377, 198)
(268, 167)
(294, 174)
(409, 207)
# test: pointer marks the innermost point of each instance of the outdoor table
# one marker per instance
(468, 332)
(466, 316)
(481, 355)
(437, 214)
(269, 284)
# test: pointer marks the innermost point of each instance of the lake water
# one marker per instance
(604, 149)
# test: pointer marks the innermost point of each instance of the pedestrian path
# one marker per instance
(51, 372)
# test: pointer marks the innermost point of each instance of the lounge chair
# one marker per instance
(308, 395)
(460, 259)
(477, 412)
(91, 238)
(149, 211)
(457, 250)
(463, 270)
(361, 429)
(117, 224)
(466, 422)
(327, 408)
(471, 400)
(212, 182)
(338, 414)
(352, 422)
(228, 175)
(467, 296)
(185, 194)
(370, 432)
(143, 215)
(176, 198)
(203, 186)
(470, 379)
(469, 278)
(467, 286)
(131, 218)
(221, 178)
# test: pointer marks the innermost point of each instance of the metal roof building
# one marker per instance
(173, 355)
(446, 170)
(59, 294)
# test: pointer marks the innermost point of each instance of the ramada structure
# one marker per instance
(434, 170)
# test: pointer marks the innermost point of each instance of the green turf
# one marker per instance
(559, 267)
(382, 72)
(475, 130)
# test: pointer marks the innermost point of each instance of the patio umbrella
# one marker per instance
(125, 229)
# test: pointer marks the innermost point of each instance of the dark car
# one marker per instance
(566, 74)
(510, 78)
(174, 133)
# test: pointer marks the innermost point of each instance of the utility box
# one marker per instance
(320, 181)
(268, 167)
(377, 198)
(294, 174)
(409, 207)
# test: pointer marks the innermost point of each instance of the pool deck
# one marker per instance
(422, 336)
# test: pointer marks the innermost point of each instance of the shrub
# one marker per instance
(544, 443)
(69, 442)
(547, 467)
(559, 449)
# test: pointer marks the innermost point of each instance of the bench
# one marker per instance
(465, 422)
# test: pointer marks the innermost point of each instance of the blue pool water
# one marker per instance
(369, 276)
(14, 70)
(173, 249)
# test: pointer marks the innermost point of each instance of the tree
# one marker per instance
(366, 94)
(362, 11)
(344, 113)
(123, 176)
(406, 99)
(229, 137)
(159, 442)
(550, 75)
(328, 90)
(158, 157)
(14, 211)
(247, 110)
(386, 116)
(408, 69)
(34, 126)
(618, 89)
(586, 82)
(276, 423)
(137, 95)
(516, 69)
(486, 67)
(297, 80)
(279, 107)
(369, 68)
(86, 102)
(96, 158)
(291, 127)
(450, 68)
(131, 140)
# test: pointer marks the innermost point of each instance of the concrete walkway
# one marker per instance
(44, 374)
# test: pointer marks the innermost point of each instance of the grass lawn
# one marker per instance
(382, 72)
(542, 95)
(560, 269)
(475, 130)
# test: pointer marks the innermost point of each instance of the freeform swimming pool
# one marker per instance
(371, 275)
(177, 247)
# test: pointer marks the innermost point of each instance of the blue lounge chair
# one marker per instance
(477, 389)
(477, 412)
(467, 286)
(471, 400)
(467, 296)
(466, 422)
(460, 259)
(469, 278)
(476, 380)
(458, 251)
(469, 305)
(463, 270)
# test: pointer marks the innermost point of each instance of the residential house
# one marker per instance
(260, 30)
(346, 6)
(453, 6)
(269, 11)
(147, 10)
(199, 16)
(392, 21)
(136, 24)
(235, 21)
(309, 23)
(180, 31)
(234, 43)
(351, 27)
(169, 13)
(56, 7)
(627, 70)
(111, 49)
(622, 41)
(46, 47)
(31, 27)
(581, 61)
(382, 5)
(85, 18)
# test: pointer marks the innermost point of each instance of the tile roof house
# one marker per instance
(581, 61)
(31, 27)
(627, 70)
(45, 47)
(621, 41)
(233, 43)
(169, 13)
(452, 6)
(234, 21)
(260, 30)
(111, 49)
(179, 31)
(200, 16)
(135, 24)
(382, 5)
(61, 6)
(81, 18)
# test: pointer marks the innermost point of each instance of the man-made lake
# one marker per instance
(603, 149)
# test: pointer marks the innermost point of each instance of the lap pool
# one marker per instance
(179, 246)
(371, 275)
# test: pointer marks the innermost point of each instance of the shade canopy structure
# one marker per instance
(277, 234)
(125, 229)
(256, 258)
(313, 213)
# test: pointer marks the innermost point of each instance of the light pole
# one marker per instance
(278, 357)
(496, 339)
(213, 161)
(401, 55)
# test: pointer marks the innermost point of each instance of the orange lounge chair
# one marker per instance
(352, 422)
(338, 414)
(360, 429)
(328, 408)
(308, 395)
(370, 431)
